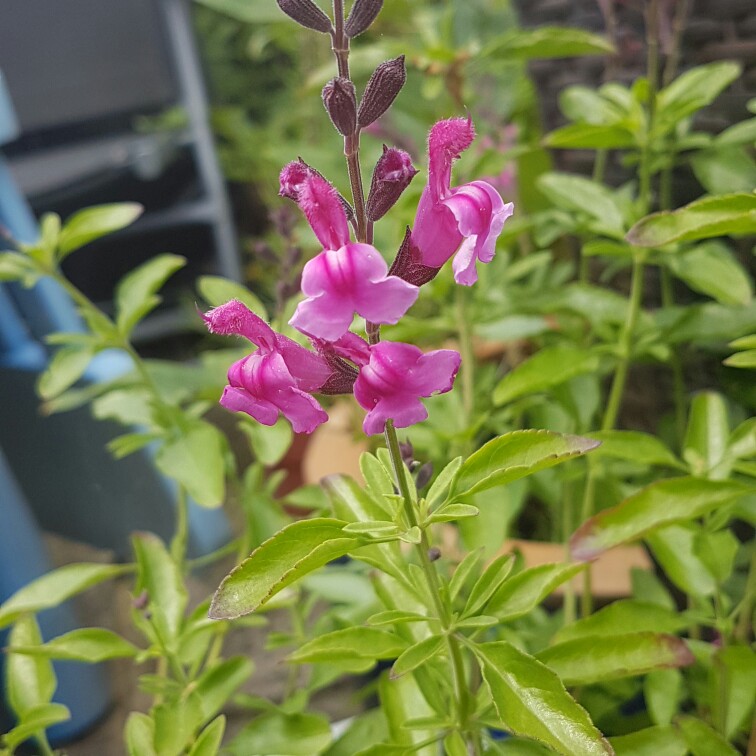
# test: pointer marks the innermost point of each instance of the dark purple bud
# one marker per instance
(407, 451)
(424, 475)
(306, 13)
(384, 85)
(408, 264)
(392, 175)
(340, 102)
(434, 553)
(363, 14)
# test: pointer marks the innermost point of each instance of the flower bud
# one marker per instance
(306, 13)
(363, 14)
(384, 85)
(392, 175)
(340, 102)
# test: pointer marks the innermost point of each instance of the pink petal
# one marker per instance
(237, 319)
(301, 410)
(353, 348)
(403, 410)
(435, 372)
(435, 231)
(309, 370)
(291, 179)
(351, 279)
(322, 206)
(240, 400)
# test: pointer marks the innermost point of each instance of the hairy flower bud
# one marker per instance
(392, 175)
(363, 14)
(384, 85)
(306, 13)
(340, 102)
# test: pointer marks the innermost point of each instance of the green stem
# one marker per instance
(443, 610)
(568, 524)
(44, 745)
(745, 610)
(468, 358)
(181, 536)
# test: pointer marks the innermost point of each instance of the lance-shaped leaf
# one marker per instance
(653, 741)
(90, 644)
(209, 741)
(634, 446)
(35, 720)
(663, 503)
(90, 224)
(515, 455)
(548, 42)
(290, 554)
(531, 700)
(549, 367)
(56, 587)
(352, 643)
(597, 658)
(620, 617)
(418, 654)
(31, 680)
(703, 740)
(723, 215)
(522, 593)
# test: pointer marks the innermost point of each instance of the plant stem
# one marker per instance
(443, 610)
(181, 536)
(743, 627)
(468, 359)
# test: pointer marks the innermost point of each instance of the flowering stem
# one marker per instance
(443, 611)
(468, 361)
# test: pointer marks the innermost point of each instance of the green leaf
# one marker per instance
(547, 42)
(290, 554)
(161, 579)
(488, 583)
(196, 460)
(56, 587)
(140, 735)
(395, 617)
(702, 740)
(693, 90)
(30, 680)
(731, 214)
(674, 548)
(209, 741)
(376, 476)
(547, 368)
(17, 267)
(620, 617)
(136, 294)
(442, 482)
(35, 721)
(708, 434)
(711, 269)
(599, 658)
(653, 741)
(402, 700)
(464, 570)
(269, 443)
(591, 136)
(216, 291)
(516, 455)
(352, 643)
(283, 734)
(91, 644)
(634, 446)
(452, 512)
(522, 593)
(662, 689)
(531, 701)
(735, 666)
(418, 654)
(725, 170)
(66, 367)
(216, 685)
(740, 133)
(93, 222)
(664, 503)
(745, 359)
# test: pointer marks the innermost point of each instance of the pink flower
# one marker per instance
(278, 377)
(346, 277)
(394, 379)
(466, 219)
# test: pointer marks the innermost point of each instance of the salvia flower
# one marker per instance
(279, 376)
(465, 220)
(345, 278)
(390, 385)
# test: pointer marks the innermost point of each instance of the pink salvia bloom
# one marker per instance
(397, 375)
(466, 219)
(340, 282)
(346, 277)
(276, 378)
